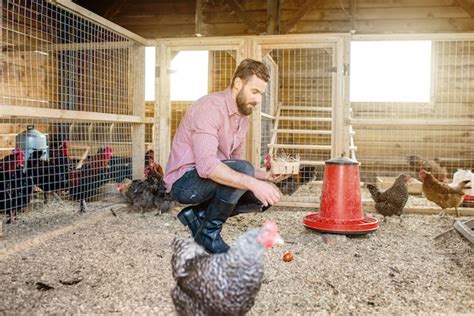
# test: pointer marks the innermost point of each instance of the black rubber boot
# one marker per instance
(192, 216)
(209, 234)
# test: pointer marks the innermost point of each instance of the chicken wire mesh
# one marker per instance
(404, 137)
(60, 73)
(297, 119)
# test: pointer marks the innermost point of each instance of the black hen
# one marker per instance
(84, 183)
(220, 284)
(16, 187)
(393, 200)
(149, 193)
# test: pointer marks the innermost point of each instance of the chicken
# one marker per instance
(93, 173)
(391, 201)
(151, 165)
(16, 188)
(432, 166)
(50, 175)
(149, 193)
(442, 194)
(221, 284)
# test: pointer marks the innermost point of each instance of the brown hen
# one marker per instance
(442, 194)
(433, 166)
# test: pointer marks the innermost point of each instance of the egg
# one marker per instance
(287, 256)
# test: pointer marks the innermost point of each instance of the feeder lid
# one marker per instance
(342, 161)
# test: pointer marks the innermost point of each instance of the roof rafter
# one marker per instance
(114, 9)
(304, 8)
(273, 16)
(467, 5)
(237, 9)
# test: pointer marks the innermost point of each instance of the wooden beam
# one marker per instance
(467, 5)
(26, 111)
(137, 69)
(305, 7)
(114, 9)
(273, 17)
(353, 11)
(237, 9)
(201, 27)
(408, 122)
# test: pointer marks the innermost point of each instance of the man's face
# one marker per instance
(250, 95)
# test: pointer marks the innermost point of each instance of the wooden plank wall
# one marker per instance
(177, 18)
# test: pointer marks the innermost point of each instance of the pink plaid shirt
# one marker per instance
(212, 130)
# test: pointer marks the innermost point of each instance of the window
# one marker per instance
(150, 73)
(390, 71)
(189, 75)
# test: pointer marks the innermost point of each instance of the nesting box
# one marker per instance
(285, 167)
(414, 185)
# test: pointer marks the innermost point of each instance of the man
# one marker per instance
(205, 167)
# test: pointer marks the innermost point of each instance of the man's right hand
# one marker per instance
(265, 192)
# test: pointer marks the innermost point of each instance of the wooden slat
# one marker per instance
(312, 163)
(305, 131)
(288, 146)
(306, 108)
(310, 119)
(402, 122)
(24, 111)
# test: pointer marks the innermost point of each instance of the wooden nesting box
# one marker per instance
(285, 167)
(414, 185)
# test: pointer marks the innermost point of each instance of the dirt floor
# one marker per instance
(57, 261)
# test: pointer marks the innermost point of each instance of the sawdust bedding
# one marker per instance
(57, 261)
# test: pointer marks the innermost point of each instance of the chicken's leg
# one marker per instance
(83, 207)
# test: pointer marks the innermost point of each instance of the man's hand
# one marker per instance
(265, 192)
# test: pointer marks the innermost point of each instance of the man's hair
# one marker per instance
(249, 67)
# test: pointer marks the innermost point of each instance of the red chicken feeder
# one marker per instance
(341, 204)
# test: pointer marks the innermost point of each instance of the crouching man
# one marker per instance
(205, 166)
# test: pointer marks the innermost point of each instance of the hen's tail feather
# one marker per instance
(183, 251)
(374, 192)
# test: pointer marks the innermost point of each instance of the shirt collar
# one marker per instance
(230, 102)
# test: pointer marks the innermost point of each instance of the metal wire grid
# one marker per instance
(56, 59)
(305, 110)
(438, 133)
(72, 163)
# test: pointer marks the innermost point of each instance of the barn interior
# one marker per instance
(92, 93)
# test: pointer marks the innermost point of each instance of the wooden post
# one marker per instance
(137, 69)
(162, 104)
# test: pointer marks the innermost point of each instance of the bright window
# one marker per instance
(390, 71)
(189, 75)
(149, 73)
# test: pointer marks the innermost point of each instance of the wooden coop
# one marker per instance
(76, 122)
(76, 76)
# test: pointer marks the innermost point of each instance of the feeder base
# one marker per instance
(366, 225)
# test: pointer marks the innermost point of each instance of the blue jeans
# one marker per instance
(192, 189)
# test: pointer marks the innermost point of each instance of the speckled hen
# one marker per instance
(220, 284)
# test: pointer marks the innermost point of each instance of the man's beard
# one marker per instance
(244, 107)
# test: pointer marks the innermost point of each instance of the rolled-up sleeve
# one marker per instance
(205, 140)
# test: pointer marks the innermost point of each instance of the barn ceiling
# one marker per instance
(184, 18)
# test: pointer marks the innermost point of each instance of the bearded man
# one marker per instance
(205, 166)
